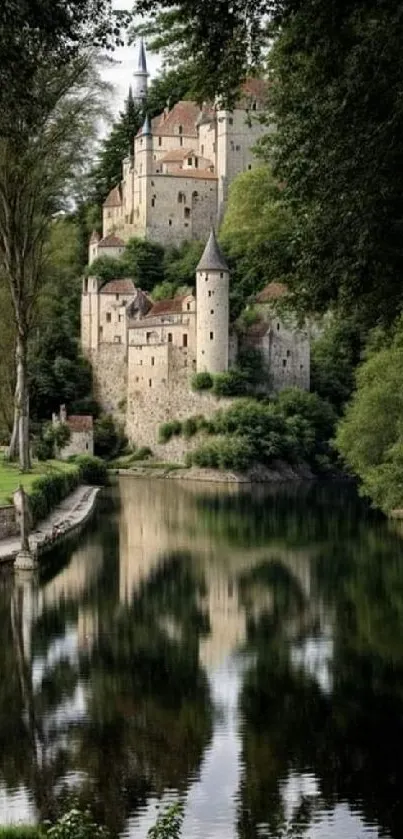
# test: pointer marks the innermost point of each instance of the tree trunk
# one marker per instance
(21, 402)
(12, 453)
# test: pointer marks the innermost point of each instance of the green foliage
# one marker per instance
(370, 435)
(334, 358)
(47, 492)
(116, 147)
(107, 268)
(109, 438)
(228, 453)
(180, 263)
(169, 823)
(143, 260)
(52, 438)
(190, 427)
(76, 824)
(202, 381)
(21, 831)
(91, 470)
(168, 430)
(232, 383)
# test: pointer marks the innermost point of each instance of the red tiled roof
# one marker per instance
(79, 423)
(184, 114)
(256, 88)
(111, 241)
(271, 292)
(119, 287)
(171, 306)
(114, 199)
(201, 174)
(176, 154)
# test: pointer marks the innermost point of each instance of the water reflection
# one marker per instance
(238, 649)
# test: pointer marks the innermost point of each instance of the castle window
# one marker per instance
(189, 161)
(209, 294)
(254, 106)
(117, 297)
(120, 318)
(137, 378)
(100, 331)
(284, 362)
(301, 366)
(186, 224)
(278, 327)
(184, 340)
(170, 222)
(237, 148)
(181, 198)
(187, 212)
(85, 285)
(211, 311)
(169, 337)
(180, 129)
(148, 336)
(288, 353)
(155, 157)
(249, 166)
(150, 383)
(188, 307)
(195, 196)
(202, 150)
(231, 121)
(160, 141)
(152, 183)
(221, 275)
(181, 141)
(211, 336)
(108, 317)
(153, 202)
(152, 361)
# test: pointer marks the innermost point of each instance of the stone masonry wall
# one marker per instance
(109, 364)
(8, 525)
(149, 407)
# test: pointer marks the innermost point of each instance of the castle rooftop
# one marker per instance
(271, 292)
(114, 198)
(212, 259)
(78, 423)
(170, 306)
(183, 115)
(119, 287)
(111, 241)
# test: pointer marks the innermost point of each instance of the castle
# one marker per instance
(144, 353)
(175, 181)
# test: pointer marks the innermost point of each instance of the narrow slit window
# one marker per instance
(211, 336)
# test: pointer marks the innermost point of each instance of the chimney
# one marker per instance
(63, 413)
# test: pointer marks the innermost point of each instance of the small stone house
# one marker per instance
(81, 433)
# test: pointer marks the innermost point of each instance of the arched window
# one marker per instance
(181, 198)
(187, 212)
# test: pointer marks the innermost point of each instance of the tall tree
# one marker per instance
(36, 171)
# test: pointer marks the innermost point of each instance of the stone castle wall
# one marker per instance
(109, 365)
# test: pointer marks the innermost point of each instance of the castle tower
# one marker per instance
(141, 77)
(93, 246)
(143, 157)
(212, 317)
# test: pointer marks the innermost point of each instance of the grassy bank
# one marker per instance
(21, 831)
(11, 478)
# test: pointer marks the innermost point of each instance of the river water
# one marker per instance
(240, 650)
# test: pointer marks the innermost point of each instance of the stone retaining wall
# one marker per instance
(8, 525)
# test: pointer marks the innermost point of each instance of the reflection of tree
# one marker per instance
(349, 739)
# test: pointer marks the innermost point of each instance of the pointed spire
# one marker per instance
(146, 129)
(212, 259)
(142, 62)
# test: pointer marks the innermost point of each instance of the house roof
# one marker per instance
(171, 306)
(198, 174)
(183, 114)
(119, 287)
(78, 423)
(176, 154)
(111, 241)
(257, 88)
(212, 259)
(114, 198)
(271, 292)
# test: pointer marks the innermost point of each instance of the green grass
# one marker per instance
(21, 831)
(11, 477)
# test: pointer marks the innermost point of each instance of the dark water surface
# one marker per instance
(241, 650)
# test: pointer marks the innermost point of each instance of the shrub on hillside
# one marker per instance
(92, 470)
(168, 430)
(50, 490)
(229, 453)
(233, 383)
(202, 381)
(109, 439)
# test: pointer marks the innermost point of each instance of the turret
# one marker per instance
(212, 318)
(93, 246)
(141, 76)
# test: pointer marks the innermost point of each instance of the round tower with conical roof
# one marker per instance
(140, 83)
(212, 318)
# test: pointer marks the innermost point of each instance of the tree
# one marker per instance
(370, 436)
(117, 146)
(36, 172)
(143, 260)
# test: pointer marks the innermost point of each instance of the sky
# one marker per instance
(121, 74)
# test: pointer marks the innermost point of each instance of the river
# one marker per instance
(238, 649)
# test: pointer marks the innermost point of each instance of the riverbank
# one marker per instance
(67, 518)
(279, 472)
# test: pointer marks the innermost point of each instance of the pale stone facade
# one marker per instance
(175, 182)
(144, 354)
(81, 433)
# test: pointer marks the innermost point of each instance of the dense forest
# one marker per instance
(322, 212)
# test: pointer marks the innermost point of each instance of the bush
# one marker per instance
(189, 427)
(109, 439)
(142, 453)
(50, 490)
(229, 453)
(233, 383)
(77, 824)
(168, 430)
(91, 470)
(202, 381)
